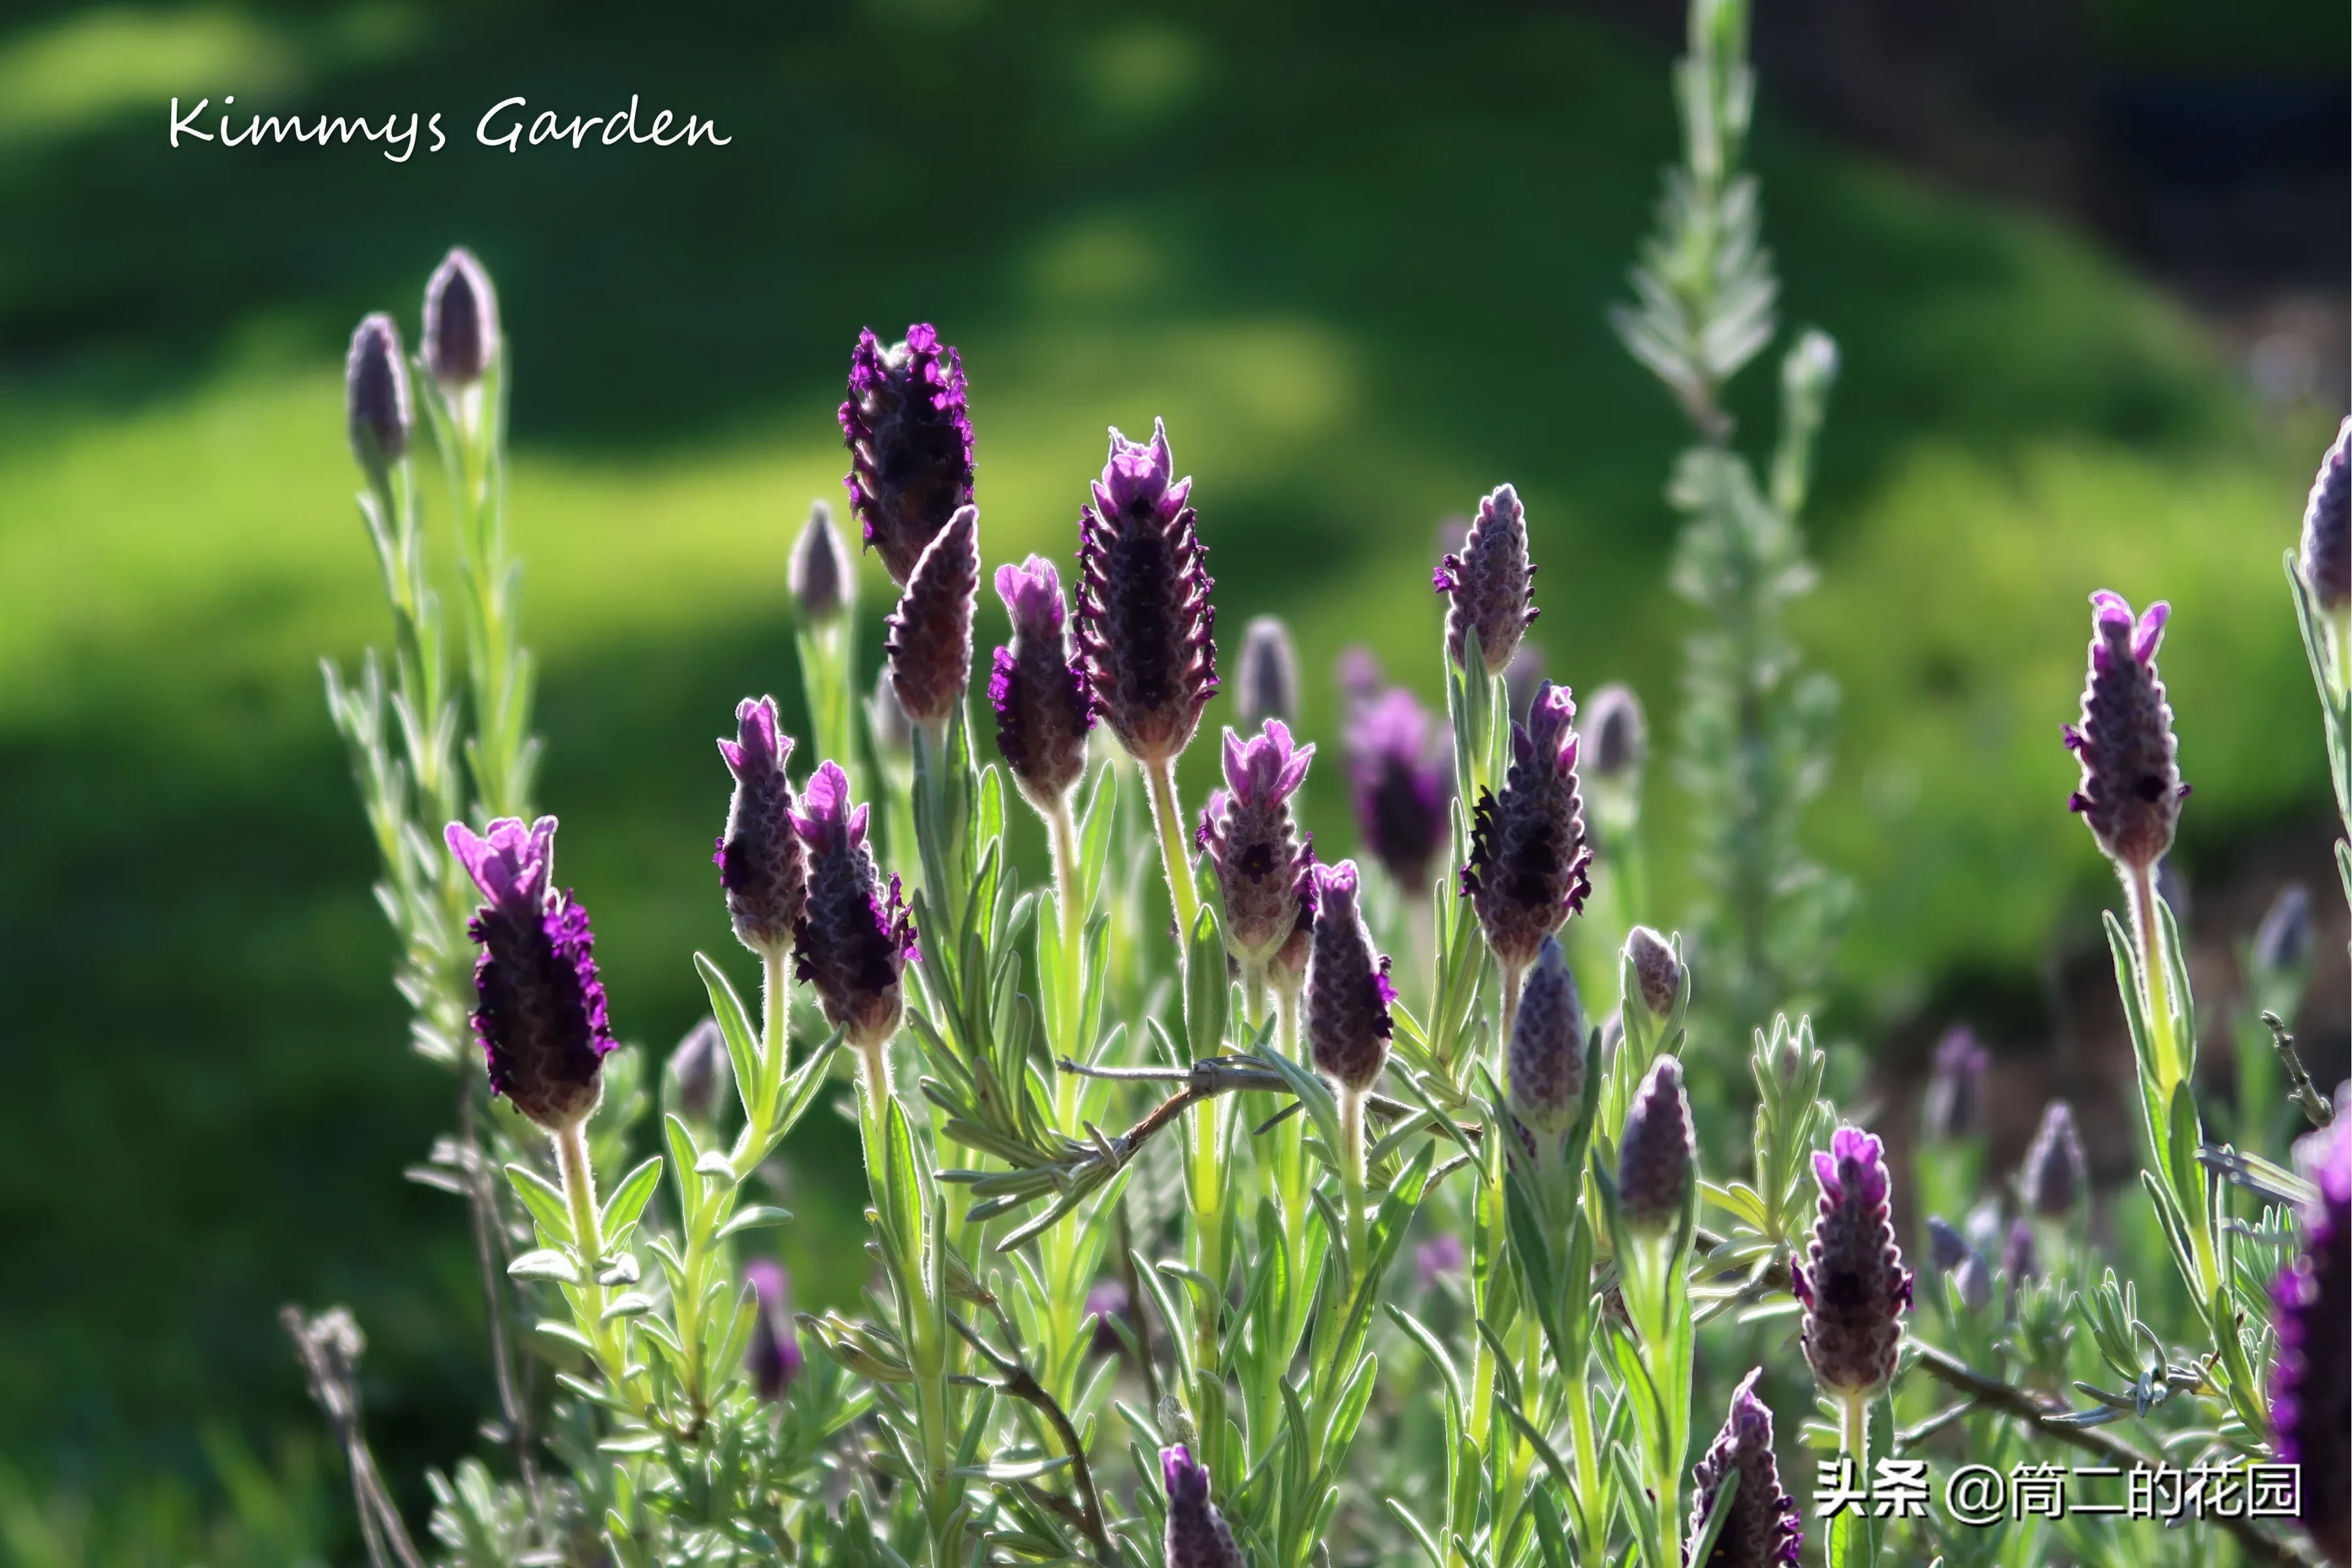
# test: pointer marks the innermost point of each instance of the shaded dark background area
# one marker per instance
(1365, 247)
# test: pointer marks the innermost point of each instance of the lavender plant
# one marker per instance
(1137, 1204)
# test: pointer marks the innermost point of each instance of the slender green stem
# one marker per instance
(1586, 1457)
(579, 1176)
(2155, 991)
(1514, 974)
(1351, 1173)
(1168, 818)
(775, 1036)
(1854, 1430)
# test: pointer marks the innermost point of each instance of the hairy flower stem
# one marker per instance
(1514, 977)
(2155, 993)
(1351, 1173)
(1062, 836)
(1168, 818)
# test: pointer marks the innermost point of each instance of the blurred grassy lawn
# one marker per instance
(1357, 257)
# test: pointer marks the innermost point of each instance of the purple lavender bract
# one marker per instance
(1488, 584)
(854, 939)
(1198, 1536)
(1854, 1284)
(1269, 678)
(1348, 988)
(1656, 1154)
(820, 577)
(1146, 627)
(461, 321)
(541, 1014)
(761, 864)
(2328, 525)
(375, 395)
(1037, 688)
(1264, 866)
(2054, 1174)
(1402, 782)
(1529, 861)
(1657, 973)
(1621, 737)
(909, 441)
(1546, 1065)
(2311, 1383)
(2130, 791)
(1762, 1530)
(699, 1070)
(928, 636)
(773, 1356)
(1954, 1107)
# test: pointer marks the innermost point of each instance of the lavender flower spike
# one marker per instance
(773, 1356)
(1549, 1064)
(1852, 1284)
(1529, 861)
(1402, 785)
(1489, 583)
(2328, 525)
(824, 583)
(461, 321)
(1198, 1536)
(1656, 1154)
(2054, 1174)
(1269, 680)
(910, 444)
(1762, 1530)
(1955, 1103)
(1947, 1248)
(1038, 690)
(2130, 791)
(854, 939)
(928, 636)
(540, 1016)
(1348, 988)
(761, 864)
(1657, 972)
(376, 396)
(2311, 1383)
(1145, 625)
(699, 1070)
(1264, 865)
(1621, 736)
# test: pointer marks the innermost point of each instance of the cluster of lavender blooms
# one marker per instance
(1080, 1252)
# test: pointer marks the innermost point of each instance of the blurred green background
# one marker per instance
(1357, 255)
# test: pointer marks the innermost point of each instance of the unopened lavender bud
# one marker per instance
(1198, 1536)
(1521, 679)
(1955, 1088)
(1528, 866)
(1261, 862)
(1853, 1283)
(461, 321)
(2328, 525)
(909, 441)
(928, 636)
(1546, 1064)
(2311, 1381)
(761, 864)
(1490, 584)
(1348, 988)
(854, 940)
(2021, 1259)
(2130, 791)
(774, 1357)
(1402, 782)
(700, 1072)
(2055, 1175)
(1947, 1248)
(1656, 1155)
(1269, 679)
(1789, 1062)
(1038, 689)
(894, 733)
(1617, 736)
(1145, 624)
(823, 582)
(376, 396)
(1657, 973)
(1762, 1529)
(540, 1010)
(1974, 1278)
(2282, 942)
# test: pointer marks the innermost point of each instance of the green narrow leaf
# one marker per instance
(545, 1201)
(743, 1044)
(628, 1200)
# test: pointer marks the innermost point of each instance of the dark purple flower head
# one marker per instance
(1106, 1303)
(1853, 1283)
(1438, 1257)
(1038, 689)
(2282, 942)
(760, 862)
(2055, 1175)
(2328, 525)
(854, 939)
(1762, 1530)
(461, 321)
(1657, 973)
(2021, 1259)
(1269, 679)
(375, 395)
(1402, 782)
(928, 636)
(773, 1359)
(1619, 735)
(1956, 1090)
(1348, 989)
(1263, 864)
(1490, 584)
(540, 1016)
(1198, 1536)
(1528, 867)
(910, 444)
(1287, 968)
(1656, 1154)
(2311, 1381)
(1947, 1248)
(2130, 791)
(1546, 1065)
(700, 1071)
(1145, 625)
(823, 582)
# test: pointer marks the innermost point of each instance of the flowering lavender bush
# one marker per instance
(1140, 1173)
